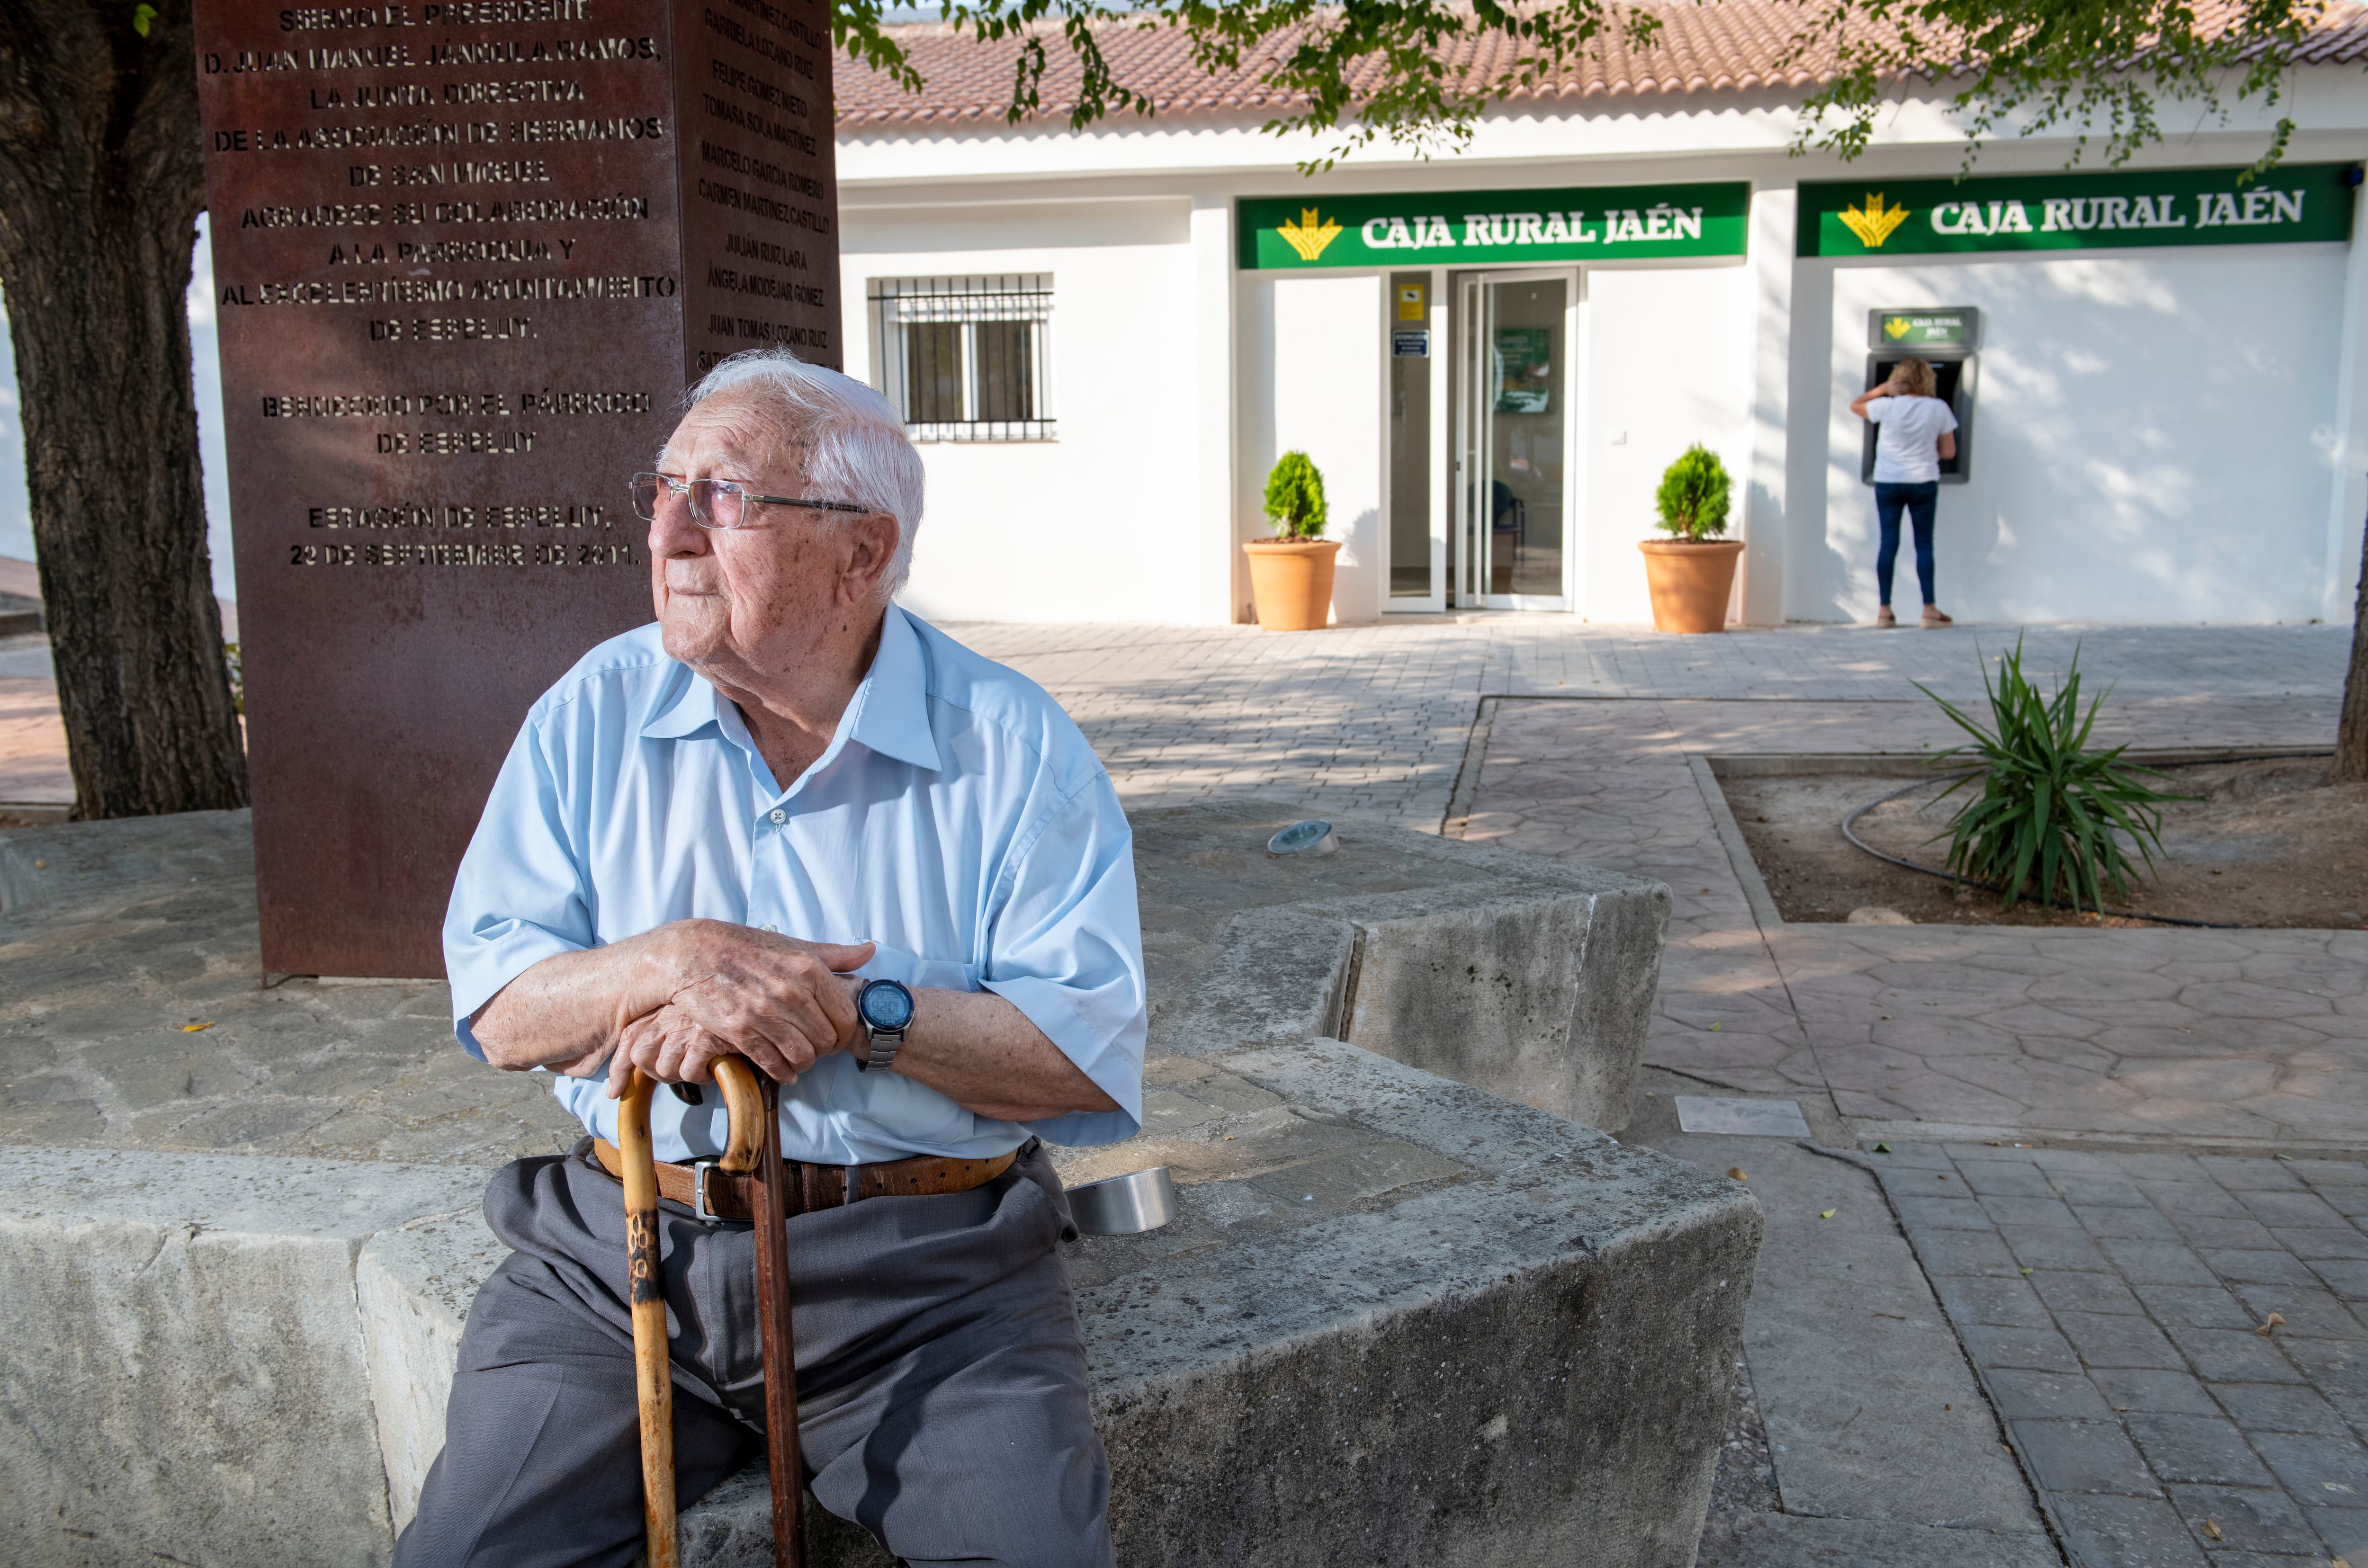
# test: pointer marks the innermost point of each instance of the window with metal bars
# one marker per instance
(966, 359)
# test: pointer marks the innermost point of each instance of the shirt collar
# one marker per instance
(684, 709)
(891, 706)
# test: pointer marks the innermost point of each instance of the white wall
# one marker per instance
(1311, 361)
(2151, 439)
(1669, 363)
(1098, 525)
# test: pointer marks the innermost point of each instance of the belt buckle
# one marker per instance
(698, 1169)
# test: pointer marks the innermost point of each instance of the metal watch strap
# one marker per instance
(875, 1059)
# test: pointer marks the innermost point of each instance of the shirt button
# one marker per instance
(775, 930)
(779, 815)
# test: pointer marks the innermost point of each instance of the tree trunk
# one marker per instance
(2351, 728)
(100, 186)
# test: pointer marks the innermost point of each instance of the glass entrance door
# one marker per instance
(1512, 493)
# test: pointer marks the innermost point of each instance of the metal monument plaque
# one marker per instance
(466, 258)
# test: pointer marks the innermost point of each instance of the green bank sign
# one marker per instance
(2076, 211)
(1495, 227)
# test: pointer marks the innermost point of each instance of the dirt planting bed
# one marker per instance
(2268, 842)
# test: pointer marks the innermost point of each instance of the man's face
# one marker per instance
(742, 604)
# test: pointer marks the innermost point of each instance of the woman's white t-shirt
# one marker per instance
(1906, 437)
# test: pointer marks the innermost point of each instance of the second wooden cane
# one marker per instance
(773, 1210)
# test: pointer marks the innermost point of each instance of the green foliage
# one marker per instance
(2054, 812)
(1294, 497)
(143, 19)
(237, 671)
(2047, 65)
(1694, 495)
(1397, 70)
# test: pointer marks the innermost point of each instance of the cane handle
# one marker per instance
(653, 1376)
(745, 1104)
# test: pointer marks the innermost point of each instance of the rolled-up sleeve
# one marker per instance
(520, 895)
(1066, 950)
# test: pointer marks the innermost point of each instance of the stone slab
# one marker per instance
(1528, 978)
(1441, 1324)
(414, 1284)
(184, 1376)
(1398, 1321)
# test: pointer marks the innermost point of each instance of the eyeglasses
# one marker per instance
(718, 503)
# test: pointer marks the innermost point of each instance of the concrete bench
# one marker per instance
(1532, 978)
(1401, 1319)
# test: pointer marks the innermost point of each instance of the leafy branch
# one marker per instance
(2097, 68)
(1419, 74)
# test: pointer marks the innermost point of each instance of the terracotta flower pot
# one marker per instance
(1691, 582)
(1291, 580)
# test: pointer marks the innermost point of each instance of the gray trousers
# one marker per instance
(941, 1385)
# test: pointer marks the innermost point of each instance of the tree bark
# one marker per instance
(100, 186)
(2351, 728)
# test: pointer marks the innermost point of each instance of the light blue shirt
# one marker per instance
(957, 818)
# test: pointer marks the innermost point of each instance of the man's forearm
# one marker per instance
(567, 1011)
(983, 1053)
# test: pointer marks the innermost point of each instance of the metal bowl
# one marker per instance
(1124, 1205)
(1314, 837)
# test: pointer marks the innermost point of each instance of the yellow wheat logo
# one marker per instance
(1873, 225)
(1309, 235)
(1895, 327)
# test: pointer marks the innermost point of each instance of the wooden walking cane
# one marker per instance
(653, 1373)
(780, 1347)
(753, 1105)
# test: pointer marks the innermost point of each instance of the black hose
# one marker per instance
(1850, 820)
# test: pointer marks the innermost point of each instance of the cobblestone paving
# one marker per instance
(2112, 1304)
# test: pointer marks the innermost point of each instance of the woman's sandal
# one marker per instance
(1932, 617)
(1884, 618)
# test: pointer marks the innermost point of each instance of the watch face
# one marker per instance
(886, 1005)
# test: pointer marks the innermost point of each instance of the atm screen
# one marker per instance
(1949, 376)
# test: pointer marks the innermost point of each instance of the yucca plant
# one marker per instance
(2052, 811)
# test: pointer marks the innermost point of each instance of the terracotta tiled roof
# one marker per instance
(1716, 46)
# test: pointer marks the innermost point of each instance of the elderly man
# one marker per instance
(793, 821)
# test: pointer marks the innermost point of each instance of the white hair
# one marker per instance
(855, 447)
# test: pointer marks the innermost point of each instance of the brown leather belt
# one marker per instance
(716, 1194)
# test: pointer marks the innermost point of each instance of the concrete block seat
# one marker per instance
(1532, 979)
(1401, 1319)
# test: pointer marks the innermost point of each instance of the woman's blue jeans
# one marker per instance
(1920, 501)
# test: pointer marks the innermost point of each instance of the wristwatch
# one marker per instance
(886, 1010)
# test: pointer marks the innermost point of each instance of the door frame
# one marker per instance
(1441, 447)
(1465, 347)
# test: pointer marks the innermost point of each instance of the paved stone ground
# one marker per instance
(2104, 1295)
(1376, 719)
(2111, 1304)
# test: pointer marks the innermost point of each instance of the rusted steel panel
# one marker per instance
(466, 256)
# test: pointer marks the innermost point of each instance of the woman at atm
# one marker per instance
(1915, 430)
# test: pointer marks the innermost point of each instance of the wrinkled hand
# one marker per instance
(779, 1001)
(668, 1046)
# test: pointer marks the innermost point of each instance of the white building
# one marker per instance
(1106, 338)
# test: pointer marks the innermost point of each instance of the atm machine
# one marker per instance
(1947, 339)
